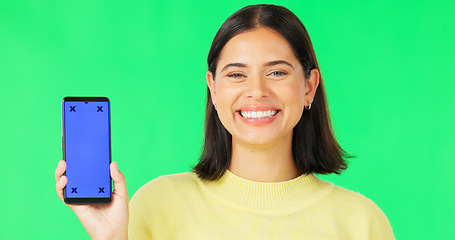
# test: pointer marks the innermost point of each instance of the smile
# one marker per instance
(258, 114)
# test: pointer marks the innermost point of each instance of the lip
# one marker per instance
(257, 108)
(260, 121)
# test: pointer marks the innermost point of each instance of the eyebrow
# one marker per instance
(269, 64)
(273, 63)
(233, 65)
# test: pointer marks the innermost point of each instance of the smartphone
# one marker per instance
(86, 145)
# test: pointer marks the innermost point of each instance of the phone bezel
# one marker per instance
(86, 200)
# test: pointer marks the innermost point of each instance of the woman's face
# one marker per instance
(259, 88)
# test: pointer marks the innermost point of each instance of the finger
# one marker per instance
(119, 181)
(61, 168)
(61, 183)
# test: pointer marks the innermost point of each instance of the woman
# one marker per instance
(267, 131)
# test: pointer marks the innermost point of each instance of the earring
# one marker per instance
(215, 106)
(308, 107)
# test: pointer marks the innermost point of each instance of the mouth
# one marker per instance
(258, 114)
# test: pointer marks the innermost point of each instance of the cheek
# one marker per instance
(226, 97)
(227, 94)
(294, 99)
(292, 93)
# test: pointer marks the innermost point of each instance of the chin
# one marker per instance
(258, 140)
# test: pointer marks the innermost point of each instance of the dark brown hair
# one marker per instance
(314, 146)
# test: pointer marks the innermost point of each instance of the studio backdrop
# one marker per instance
(388, 68)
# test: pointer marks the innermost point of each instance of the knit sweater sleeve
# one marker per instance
(138, 227)
(156, 208)
(363, 218)
(380, 227)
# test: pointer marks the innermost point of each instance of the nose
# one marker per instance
(256, 87)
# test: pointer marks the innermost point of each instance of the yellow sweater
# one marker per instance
(182, 206)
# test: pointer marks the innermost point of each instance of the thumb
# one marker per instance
(119, 181)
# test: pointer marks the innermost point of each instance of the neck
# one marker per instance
(263, 163)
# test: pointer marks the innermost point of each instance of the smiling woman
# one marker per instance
(267, 132)
(262, 60)
(259, 75)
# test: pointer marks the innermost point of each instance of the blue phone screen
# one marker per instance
(87, 149)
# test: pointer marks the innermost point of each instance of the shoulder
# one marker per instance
(349, 200)
(166, 187)
(165, 198)
(355, 210)
(159, 203)
(339, 196)
(352, 198)
(173, 180)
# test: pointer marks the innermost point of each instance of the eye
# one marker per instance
(278, 73)
(236, 75)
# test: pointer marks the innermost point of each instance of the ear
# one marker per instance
(311, 84)
(211, 86)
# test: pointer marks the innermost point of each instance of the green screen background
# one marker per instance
(388, 67)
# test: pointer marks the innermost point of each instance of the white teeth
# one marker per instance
(259, 114)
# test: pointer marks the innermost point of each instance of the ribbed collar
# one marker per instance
(274, 196)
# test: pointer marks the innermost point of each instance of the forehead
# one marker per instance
(257, 46)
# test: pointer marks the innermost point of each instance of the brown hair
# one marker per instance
(314, 146)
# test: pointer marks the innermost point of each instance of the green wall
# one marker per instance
(388, 67)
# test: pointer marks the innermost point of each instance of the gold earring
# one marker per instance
(308, 107)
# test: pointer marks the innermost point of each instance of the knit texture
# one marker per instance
(181, 206)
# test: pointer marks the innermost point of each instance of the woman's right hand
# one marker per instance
(101, 221)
